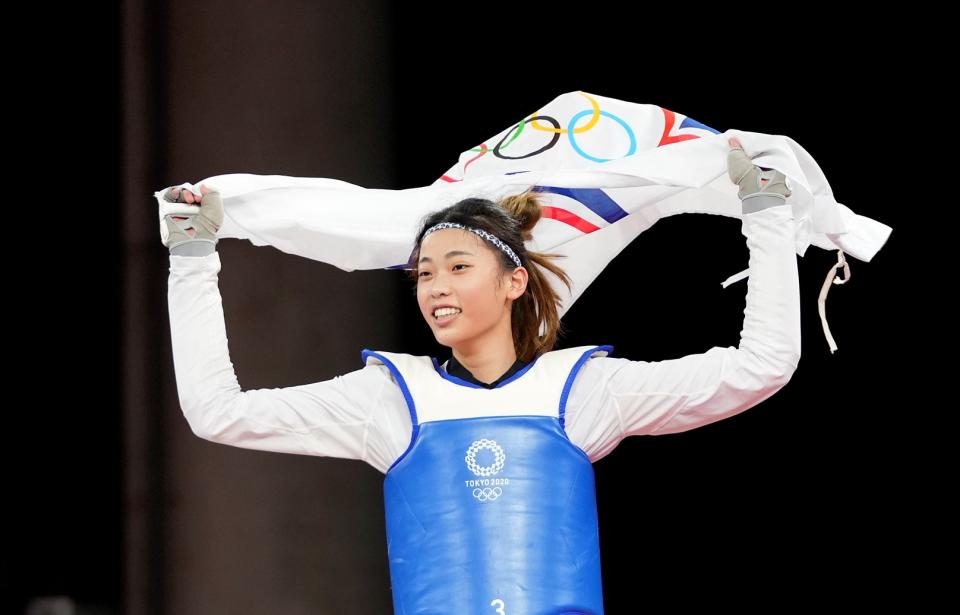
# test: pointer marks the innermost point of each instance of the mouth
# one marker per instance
(446, 317)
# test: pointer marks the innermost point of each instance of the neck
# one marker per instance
(487, 366)
(490, 355)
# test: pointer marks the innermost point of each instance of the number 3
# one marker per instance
(497, 602)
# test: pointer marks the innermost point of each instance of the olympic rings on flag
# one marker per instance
(534, 120)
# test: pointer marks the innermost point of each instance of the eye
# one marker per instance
(422, 273)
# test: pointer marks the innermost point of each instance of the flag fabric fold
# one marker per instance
(606, 170)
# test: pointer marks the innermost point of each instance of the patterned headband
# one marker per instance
(491, 238)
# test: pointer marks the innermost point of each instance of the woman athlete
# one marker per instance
(489, 486)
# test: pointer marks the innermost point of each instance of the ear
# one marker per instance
(518, 282)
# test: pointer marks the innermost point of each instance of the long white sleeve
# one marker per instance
(331, 418)
(615, 397)
(363, 414)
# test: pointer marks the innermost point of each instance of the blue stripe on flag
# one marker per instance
(594, 199)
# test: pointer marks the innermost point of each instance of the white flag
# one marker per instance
(607, 169)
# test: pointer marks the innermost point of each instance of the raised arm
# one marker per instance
(676, 395)
(330, 418)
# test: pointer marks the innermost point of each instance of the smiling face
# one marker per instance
(458, 268)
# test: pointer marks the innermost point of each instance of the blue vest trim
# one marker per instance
(406, 394)
(446, 376)
(573, 374)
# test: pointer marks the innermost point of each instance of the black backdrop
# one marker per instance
(800, 496)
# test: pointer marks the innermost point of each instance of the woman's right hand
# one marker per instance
(188, 217)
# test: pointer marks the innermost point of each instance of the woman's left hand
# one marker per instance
(751, 178)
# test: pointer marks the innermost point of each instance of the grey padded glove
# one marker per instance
(760, 187)
(178, 217)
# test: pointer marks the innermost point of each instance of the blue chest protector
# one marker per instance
(492, 509)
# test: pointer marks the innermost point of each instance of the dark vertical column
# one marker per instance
(145, 366)
(270, 88)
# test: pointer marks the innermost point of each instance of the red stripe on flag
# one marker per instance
(568, 217)
(669, 119)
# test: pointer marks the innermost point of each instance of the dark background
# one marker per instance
(116, 505)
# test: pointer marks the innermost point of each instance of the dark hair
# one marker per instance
(511, 219)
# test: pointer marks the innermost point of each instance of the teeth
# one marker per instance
(445, 311)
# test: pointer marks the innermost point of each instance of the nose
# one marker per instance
(438, 285)
(439, 295)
